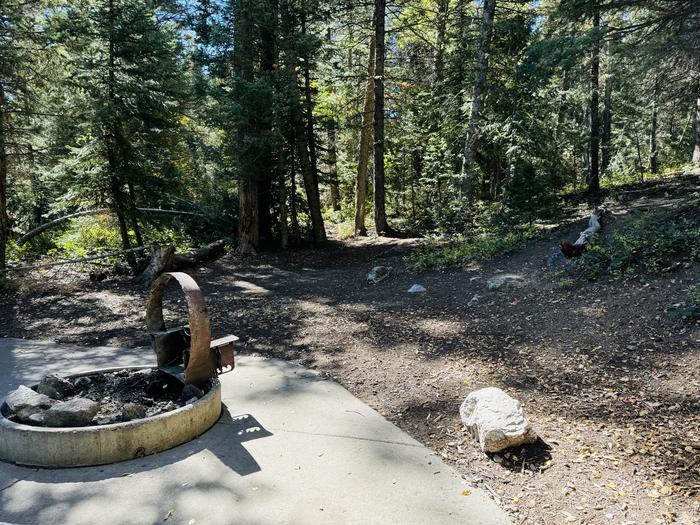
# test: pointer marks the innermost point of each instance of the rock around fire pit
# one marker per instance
(103, 416)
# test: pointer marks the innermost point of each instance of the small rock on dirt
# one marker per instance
(474, 300)
(76, 412)
(496, 420)
(506, 280)
(557, 260)
(378, 274)
(55, 386)
(417, 288)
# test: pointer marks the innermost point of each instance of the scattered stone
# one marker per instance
(191, 391)
(508, 280)
(133, 411)
(496, 420)
(77, 412)
(474, 300)
(24, 402)
(417, 288)
(378, 274)
(475, 278)
(55, 386)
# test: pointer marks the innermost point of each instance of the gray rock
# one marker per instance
(191, 391)
(506, 280)
(394, 251)
(77, 412)
(417, 288)
(496, 420)
(55, 387)
(133, 411)
(378, 274)
(26, 401)
(474, 300)
(191, 401)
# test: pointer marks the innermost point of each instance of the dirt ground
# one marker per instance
(607, 378)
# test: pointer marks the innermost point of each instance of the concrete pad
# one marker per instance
(291, 448)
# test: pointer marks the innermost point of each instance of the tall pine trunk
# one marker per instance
(696, 151)
(594, 167)
(467, 175)
(380, 221)
(333, 166)
(365, 136)
(606, 136)
(653, 147)
(4, 221)
(310, 169)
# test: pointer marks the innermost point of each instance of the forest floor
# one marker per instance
(607, 378)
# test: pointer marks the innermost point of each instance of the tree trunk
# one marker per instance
(467, 174)
(333, 167)
(653, 148)
(696, 151)
(365, 135)
(594, 173)
(606, 138)
(380, 221)
(133, 214)
(4, 221)
(441, 17)
(248, 229)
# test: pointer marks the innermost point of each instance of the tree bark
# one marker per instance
(606, 137)
(594, 173)
(333, 167)
(4, 221)
(653, 147)
(248, 228)
(380, 221)
(465, 184)
(365, 135)
(696, 151)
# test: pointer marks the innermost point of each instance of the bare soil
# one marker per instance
(609, 380)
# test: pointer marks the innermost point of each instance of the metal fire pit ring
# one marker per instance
(98, 445)
(187, 353)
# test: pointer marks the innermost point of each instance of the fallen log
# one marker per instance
(164, 259)
(577, 248)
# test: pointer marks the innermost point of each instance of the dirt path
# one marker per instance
(609, 381)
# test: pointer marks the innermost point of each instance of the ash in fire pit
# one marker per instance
(100, 398)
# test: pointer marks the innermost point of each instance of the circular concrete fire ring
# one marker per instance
(97, 445)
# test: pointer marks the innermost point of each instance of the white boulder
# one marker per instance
(417, 288)
(496, 420)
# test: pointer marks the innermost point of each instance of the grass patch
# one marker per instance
(441, 254)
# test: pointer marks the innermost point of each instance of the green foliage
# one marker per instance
(440, 254)
(88, 234)
(651, 242)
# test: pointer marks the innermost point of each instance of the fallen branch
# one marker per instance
(577, 248)
(36, 231)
